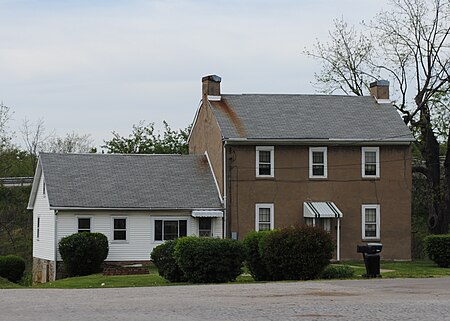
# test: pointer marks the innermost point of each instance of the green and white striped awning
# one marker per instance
(321, 210)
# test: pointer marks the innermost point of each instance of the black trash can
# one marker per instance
(371, 257)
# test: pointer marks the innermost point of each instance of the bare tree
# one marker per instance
(71, 143)
(35, 138)
(5, 116)
(347, 60)
(411, 46)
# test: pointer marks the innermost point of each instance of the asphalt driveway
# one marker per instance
(381, 299)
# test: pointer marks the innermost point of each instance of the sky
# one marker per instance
(97, 66)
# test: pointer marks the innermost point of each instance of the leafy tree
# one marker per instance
(15, 163)
(409, 44)
(144, 140)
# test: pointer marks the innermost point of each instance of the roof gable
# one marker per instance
(113, 181)
(308, 117)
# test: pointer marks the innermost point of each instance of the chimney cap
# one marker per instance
(380, 83)
(214, 78)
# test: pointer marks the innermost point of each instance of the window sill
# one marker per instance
(265, 177)
(373, 239)
(318, 178)
(371, 178)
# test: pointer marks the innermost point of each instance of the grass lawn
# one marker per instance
(416, 269)
(5, 284)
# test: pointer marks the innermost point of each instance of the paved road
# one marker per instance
(384, 299)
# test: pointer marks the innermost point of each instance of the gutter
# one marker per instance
(315, 141)
(56, 208)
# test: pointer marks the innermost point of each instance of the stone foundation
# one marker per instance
(43, 270)
(125, 267)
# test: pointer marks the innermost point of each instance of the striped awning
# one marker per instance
(321, 210)
(207, 214)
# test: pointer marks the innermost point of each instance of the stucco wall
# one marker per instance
(344, 186)
(206, 136)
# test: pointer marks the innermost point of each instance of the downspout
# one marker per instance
(224, 181)
(338, 241)
(56, 246)
(230, 233)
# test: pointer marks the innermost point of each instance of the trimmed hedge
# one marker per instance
(162, 257)
(12, 267)
(209, 260)
(83, 253)
(337, 272)
(296, 253)
(438, 249)
(254, 259)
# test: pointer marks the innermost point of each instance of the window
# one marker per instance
(324, 223)
(318, 162)
(370, 162)
(264, 161)
(204, 227)
(119, 228)
(264, 217)
(170, 229)
(38, 227)
(84, 224)
(371, 222)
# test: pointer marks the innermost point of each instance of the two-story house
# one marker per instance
(339, 162)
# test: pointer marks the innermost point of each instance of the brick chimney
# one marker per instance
(380, 89)
(211, 86)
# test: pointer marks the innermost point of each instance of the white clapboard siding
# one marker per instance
(140, 235)
(217, 227)
(44, 246)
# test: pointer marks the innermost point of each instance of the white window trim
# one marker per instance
(325, 162)
(264, 205)
(127, 229)
(271, 149)
(171, 218)
(91, 218)
(363, 221)
(363, 161)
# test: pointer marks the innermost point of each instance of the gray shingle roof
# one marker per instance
(279, 116)
(129, 181)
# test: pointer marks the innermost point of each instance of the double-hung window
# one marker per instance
(170, 229)
(371, 222)
(264, 217)
(84, 224)
(120, 225)
(318, 167)
(370, 162)
(265, 161)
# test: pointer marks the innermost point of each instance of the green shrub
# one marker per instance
(337, 272)
(296, 253)
(438, 249)
(12, 267)
(209, 260)
(253, 257)
(83, 253)
(162, 257)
